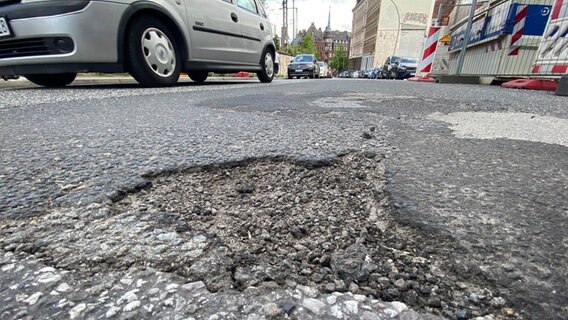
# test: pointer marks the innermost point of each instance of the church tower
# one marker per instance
(328, 39)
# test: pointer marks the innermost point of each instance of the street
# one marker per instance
(312, 199)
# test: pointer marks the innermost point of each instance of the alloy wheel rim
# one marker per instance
(269, 64)
(158, 52)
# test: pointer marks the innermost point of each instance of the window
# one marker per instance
(261, 9)
(249, 5)
(303, 58)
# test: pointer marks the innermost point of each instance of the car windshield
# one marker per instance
(303, 59)
(408, 60)
(321, 63)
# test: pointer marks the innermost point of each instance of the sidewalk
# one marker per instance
(108, 79)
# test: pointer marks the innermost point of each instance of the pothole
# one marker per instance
(279, 224)
(270, 223)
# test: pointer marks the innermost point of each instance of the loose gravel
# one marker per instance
(319, 228)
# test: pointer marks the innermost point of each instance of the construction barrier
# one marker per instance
(552, 56)
(429, 51)
(428, 54)
(504, 39)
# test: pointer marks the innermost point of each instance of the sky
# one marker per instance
(314, 11)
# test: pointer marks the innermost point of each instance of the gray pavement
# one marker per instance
(500, 197)
(85, 79)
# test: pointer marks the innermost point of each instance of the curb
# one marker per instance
(82, 81)
(562, 89)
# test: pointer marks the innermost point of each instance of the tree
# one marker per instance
(308, 45)
(277, 42)
(340, 60)
(293, 50)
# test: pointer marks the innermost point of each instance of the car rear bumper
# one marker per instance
(41, 43)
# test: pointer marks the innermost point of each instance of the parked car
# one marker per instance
(325, 72)
(49, 42)
(304, 65)
(375, 73)
(396, 67)
(367, 73)
(355, 74)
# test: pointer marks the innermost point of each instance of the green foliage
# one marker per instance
(307, 46)
(277, 43)
(293, 50)
(340, 61)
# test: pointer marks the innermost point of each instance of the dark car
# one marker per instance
(396, 67)
(304, 65)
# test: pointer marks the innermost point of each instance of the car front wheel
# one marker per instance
(153, 55)
(267, 64)
(52, 80)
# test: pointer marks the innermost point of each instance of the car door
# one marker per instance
(253, 28)
(215, 33)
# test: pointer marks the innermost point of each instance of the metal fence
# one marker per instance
(509, 38)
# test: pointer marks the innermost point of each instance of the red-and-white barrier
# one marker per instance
(428, 56)
(429, 50)
(552, 56)
(518, 29)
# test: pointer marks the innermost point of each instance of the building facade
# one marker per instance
(358, 34)
(327, 42)
(389, 27)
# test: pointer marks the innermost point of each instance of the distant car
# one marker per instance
(324, 70)
(49, 42)
(396, 67)
(304, 65)
(355, 74)
(375, 73)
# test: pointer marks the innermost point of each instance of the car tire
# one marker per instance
(267, 65)
(153, 53)
(52, 80)
(290, 77)
(198, 76)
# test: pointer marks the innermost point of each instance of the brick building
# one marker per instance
(327, 41)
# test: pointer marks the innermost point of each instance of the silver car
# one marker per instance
(50, 41)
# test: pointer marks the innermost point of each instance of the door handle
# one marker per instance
(234, 17)
(261, 26)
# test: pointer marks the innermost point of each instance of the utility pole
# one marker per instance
(466, 36)
(284, 23)
(294, 16)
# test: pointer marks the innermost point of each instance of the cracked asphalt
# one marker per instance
(499, 194)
